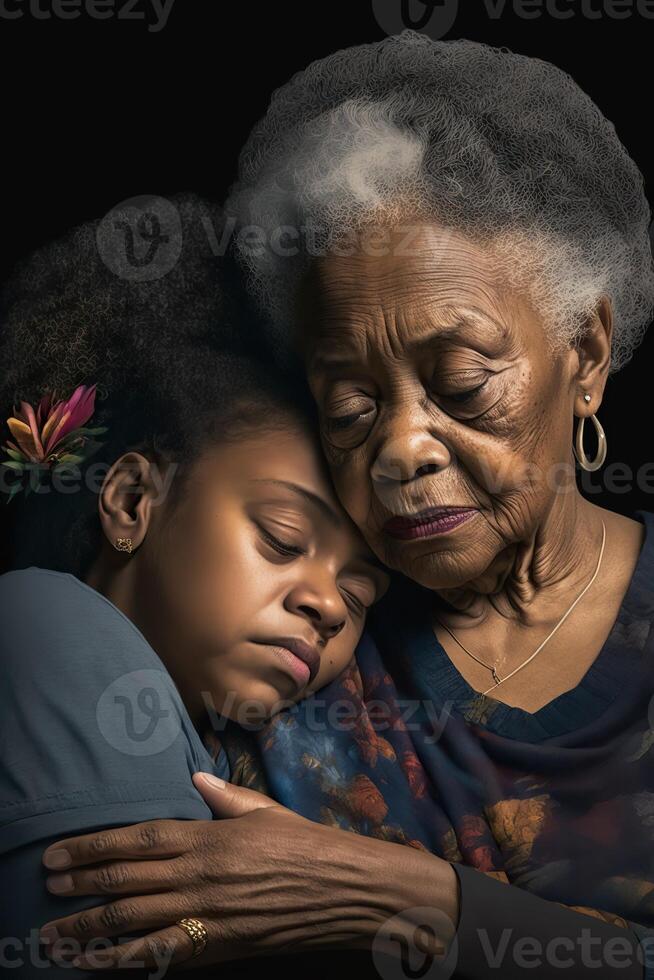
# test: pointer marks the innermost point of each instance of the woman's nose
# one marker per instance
(323, 607)
(407, 456)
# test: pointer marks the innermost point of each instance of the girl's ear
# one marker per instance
(125, 502)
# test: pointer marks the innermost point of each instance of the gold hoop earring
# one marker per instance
(578, 448)
(124, 544)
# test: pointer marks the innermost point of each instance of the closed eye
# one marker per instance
(281, 547)
(358, 606)
(361, 591)
(462, 397)
(342, 422)
(339, 422)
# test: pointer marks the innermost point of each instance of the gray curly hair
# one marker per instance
(502, 148)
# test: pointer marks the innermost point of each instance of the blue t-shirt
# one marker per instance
(92, 727)
(93, 734)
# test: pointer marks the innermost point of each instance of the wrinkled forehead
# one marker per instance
(407, 283)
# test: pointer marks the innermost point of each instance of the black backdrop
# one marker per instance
(98, 111)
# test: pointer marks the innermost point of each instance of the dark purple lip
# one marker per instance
(427, 523)
(299, 648)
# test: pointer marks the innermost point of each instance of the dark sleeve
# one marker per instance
(502, 927)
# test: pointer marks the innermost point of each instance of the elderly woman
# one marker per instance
(455, 243)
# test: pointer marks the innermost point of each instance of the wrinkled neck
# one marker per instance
(531, 581)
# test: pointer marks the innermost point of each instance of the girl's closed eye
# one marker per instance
(356, 606)
(278, 544)
(360, 594)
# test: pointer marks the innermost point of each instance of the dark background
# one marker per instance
(98, 111)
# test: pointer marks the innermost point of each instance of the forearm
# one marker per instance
(483, 925)
(269, 881)
(502, 925)
(396, 898)
(414, 899)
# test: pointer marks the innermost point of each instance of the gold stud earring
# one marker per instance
(124, 544)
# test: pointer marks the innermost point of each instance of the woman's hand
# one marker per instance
(263, 880)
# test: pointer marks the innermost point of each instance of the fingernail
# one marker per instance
(60, 883)
(214, 780)
(58, 858)
(49, 934)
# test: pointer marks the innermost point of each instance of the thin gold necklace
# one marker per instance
(492, 667)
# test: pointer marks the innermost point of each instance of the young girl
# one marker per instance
(195, 567)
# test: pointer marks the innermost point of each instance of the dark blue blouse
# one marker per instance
(620, 655)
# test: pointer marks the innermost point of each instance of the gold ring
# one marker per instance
(197, 933)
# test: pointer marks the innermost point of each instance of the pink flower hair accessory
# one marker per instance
(54, 436)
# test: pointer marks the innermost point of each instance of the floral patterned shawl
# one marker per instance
(559, 802)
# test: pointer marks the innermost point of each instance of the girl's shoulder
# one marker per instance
(47, 615)
(93, 731)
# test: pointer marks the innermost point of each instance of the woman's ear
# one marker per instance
(125, 504)
(594, 352)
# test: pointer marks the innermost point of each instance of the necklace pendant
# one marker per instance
(496, 676)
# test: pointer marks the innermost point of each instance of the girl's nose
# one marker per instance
(323, 607)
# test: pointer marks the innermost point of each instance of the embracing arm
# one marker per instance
(264, 880)
(497, 926)
(504, 925)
